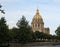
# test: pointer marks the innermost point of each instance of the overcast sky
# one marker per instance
(49, 10)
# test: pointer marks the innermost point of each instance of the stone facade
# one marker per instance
(38, 24)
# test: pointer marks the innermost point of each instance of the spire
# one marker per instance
(37, 11)
(37, 15)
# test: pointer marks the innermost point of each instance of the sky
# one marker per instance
(48, 9)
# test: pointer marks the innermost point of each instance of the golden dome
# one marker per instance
(37, 16)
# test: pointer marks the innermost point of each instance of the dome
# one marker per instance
(37, 16)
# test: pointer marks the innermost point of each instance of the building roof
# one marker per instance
(37, 15)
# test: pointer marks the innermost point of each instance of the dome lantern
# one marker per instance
(37, 15)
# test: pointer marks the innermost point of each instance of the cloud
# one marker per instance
(11, 24)
(56, 1)
(1, 14)
(46, 0)
(8, 0)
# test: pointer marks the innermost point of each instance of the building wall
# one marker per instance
(46, 30)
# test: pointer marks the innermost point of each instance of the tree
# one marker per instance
(13, 34)
(40, 35)
(0, 6)
(58, 31)
(3, 30)
(2, 11)
(25, 33)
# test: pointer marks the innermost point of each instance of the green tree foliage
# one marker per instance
(58, 31)
(0, 5)
(25, 33)
(40, 36)
(2, 11)
(13, 33)
(3, 30)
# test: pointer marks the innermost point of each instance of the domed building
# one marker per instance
(38, 24)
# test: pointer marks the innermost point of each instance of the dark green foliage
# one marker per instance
(0, 5)
(3, 30)
(2, 11)
(58, 31)
(13, 33)
(40, 36)
(24, 34)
